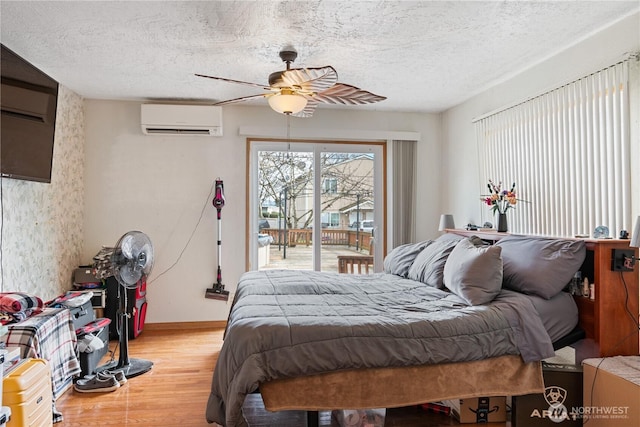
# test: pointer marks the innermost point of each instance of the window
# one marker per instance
(309, 213)
(330, 219)
(568, 152)
(330, 185)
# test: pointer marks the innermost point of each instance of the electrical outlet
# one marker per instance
(618, 257)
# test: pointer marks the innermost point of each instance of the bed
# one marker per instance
(443, 309)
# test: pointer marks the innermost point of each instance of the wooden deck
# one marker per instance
(300, 257)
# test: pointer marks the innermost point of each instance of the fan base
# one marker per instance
(132, 369)
(137, 367)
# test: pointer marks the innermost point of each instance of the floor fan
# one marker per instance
(131, 260)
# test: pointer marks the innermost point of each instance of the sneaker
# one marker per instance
(93, 384)
(118, 374)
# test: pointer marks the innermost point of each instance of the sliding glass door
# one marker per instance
(312, 203)
(284, 202)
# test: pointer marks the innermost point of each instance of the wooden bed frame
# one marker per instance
(399, 386)
(405, 386)
(402, 386)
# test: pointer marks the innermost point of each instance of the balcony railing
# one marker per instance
(299, 236)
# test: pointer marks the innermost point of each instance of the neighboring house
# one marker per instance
(358, 212)
(347, 192)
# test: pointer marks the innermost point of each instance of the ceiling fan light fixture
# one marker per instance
(287, 102)
(298, 91)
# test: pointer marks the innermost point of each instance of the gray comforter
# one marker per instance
(286, 323)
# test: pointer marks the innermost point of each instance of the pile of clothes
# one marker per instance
(18, 306)
(102, 267)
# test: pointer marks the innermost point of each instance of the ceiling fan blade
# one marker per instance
(224, 79)
(308, 79)
(244, 98)
(308, 110)
(346, 94)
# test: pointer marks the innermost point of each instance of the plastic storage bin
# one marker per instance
(82, 315)
(89, 361)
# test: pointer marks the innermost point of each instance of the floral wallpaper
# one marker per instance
(42, 223)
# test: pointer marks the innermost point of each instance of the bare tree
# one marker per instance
(345, 177)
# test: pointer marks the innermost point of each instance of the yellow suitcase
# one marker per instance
(27, 391)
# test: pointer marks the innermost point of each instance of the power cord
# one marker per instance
(633, 317)
(118, 320)
(206, 202)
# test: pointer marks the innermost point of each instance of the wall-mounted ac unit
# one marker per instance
(181, 119)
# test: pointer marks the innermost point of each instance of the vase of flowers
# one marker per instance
(500, 201)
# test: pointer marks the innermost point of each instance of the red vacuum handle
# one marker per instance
(218, 200)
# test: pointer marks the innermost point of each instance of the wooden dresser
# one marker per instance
(611, 319)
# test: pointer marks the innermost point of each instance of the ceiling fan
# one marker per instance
(298, 91)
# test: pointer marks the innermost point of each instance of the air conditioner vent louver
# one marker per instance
(181, 119)
(157, 131)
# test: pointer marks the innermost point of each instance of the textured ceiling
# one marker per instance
(423, 55)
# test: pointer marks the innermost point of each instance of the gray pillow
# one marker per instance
(539, 265)
(474, 273)
(428, 267)
(399, 260)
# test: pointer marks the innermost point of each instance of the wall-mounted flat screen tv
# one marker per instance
(28, 100)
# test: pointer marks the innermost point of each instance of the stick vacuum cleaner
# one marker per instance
(217, 291)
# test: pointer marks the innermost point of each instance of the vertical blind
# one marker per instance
(567, 150)
(404, 193)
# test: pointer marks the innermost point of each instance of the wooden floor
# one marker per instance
(175, 391)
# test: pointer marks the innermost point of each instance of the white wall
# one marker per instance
(460, 174)
(159, 185)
